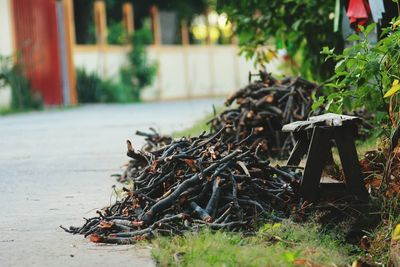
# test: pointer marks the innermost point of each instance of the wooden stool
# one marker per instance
(314, 138)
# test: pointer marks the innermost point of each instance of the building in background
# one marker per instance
(51, 38)
(194, 58)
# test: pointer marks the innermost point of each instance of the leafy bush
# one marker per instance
(91, 89)
(116, 34)
(301, 27)
(139, 73)
(22, 97)
(366, 75)
(88, 86)
(114, 92)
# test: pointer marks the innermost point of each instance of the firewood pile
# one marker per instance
(263, 107)
(154, 140)
(212, 180)
(222, 179)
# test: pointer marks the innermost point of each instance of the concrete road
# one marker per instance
(55, 168)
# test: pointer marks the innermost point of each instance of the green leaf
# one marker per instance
(396, 24)
(384, 32)
(361, 81)
(327, 51)
(353, 37)
(317, 103)
(296, 25)
(332, 85)
(369, 28)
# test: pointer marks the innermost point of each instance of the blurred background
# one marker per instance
(65, 52)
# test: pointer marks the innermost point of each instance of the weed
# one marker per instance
(273, 245)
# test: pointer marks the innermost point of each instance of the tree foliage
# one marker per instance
(367, 75)
(302, 27)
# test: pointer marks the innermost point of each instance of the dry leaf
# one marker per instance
(95, 238)
(191, 163)
(105, 224)
(365, 243)
(374, 182)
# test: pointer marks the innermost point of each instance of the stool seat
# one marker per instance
(315, 138)
(328, 119)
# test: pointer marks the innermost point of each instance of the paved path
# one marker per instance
(54, 169)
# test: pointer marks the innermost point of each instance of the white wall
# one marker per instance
(6, 45)
(103, 61)
(183, 71)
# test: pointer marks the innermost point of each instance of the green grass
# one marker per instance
(362, 147)
(8, 111)
(371, 143)
(199, 127)
(273, 245)
(11, 111)
(381, 235)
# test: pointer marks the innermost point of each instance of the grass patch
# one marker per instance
(199, 127)
(362, 147)
(371, 143)
(8, 111)
(11, 111)
(380, 236)
(282, 244)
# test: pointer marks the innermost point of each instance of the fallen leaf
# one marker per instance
(269, 99)
(105, 224)
(95, 238)
(153, 167)
(191, 163)
(393, 190)
(137, 223)
(365, 243)
(374, 182)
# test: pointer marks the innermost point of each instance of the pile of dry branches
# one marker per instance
(213, 180)
(221, 180)
(264, 107)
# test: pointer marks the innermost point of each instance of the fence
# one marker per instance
(184, 71)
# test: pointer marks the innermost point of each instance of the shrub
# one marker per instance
(92, 89)
(367, 75)
(302, 27)
(22, 96)
(116, 34)
(88, 86)
(139, 73)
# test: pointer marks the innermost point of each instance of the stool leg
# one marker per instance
(318, 152)
(351, 166)
(298, 151)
